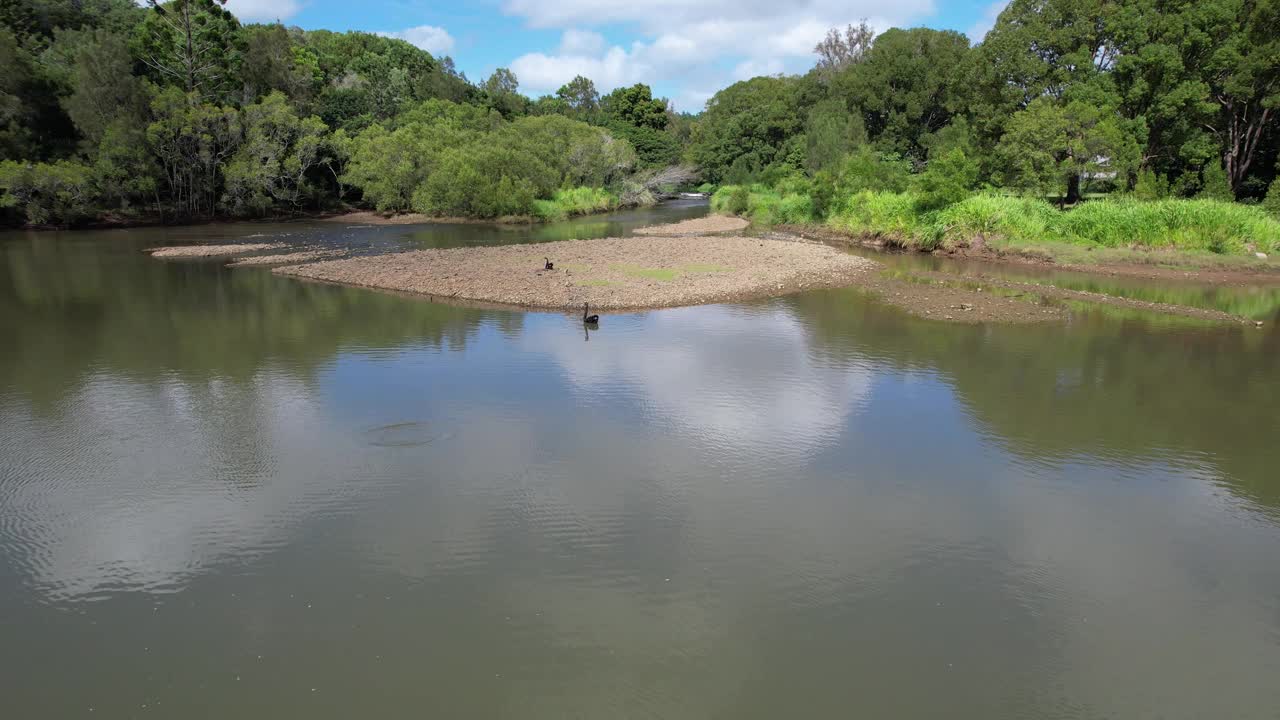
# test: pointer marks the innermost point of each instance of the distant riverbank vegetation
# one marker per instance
(1108, 124)
(112, 111)
(1092, 122)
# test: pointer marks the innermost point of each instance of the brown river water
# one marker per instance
(228, 494)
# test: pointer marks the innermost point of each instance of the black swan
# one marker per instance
(550, 265)
(589, 319)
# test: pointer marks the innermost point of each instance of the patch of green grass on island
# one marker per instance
(659, 274)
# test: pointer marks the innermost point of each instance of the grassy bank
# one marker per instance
(1014, 223)
(575, 201)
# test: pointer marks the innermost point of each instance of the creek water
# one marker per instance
(229, 494)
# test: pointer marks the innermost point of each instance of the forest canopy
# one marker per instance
(111, 109)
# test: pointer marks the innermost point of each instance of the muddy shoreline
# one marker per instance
(1171, 265)
(699, 261)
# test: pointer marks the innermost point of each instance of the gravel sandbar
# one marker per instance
(205, 251)
(609, 273)
(292, 258)
(697, 226)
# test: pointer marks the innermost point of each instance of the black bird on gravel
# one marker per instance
(549, 265)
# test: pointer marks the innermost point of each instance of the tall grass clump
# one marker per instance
(900, 218)
(892, 216)
(764, 205)
(990, 216)
(1202, 225)
(574, 201)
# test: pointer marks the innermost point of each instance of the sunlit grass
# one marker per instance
(1117, 223)
(660, 274)
(574, 201)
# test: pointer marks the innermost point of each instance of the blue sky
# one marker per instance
(685, 49)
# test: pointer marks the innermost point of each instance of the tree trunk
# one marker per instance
(1073, 189)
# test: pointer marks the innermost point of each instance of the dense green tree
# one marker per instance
(193, 44)
(32, 123)
(125, 172)
(1060, 49)
(635, 105)
(59, 192)
(274, 63)
(192, 142)
(907, 86)
(550, 105)
(502, 89)
(277, 153)
(110, 106)
(831, 132)
(17, 138)
(748, 125)
(445, 82)
(1243, 75)
(1050, 146)
(580, 95)
(654, 148)
(104, 90)
(35, 22)
(949, 178)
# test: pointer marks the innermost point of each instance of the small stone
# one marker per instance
(1260, 255)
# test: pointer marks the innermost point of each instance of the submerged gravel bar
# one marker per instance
(697, 226)
(210, 251)
(609, 273)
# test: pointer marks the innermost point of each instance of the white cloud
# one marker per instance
(264, 10)
(699, 46)
(435, 40)
(980, 29)
(748, 69)
(581, 42)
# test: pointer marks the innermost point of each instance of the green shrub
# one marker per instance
(44, 193)
(731, 199)
(866, 169)
(1272, 202)
(948, 179)
(1151, 186)
(442, 159)
(1214, 184)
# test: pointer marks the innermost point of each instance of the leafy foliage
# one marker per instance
(176, 108)
(446, 159)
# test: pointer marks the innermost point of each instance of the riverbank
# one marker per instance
(707, 259)
(1177, 234)
(610, 273)
(1114, 262)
